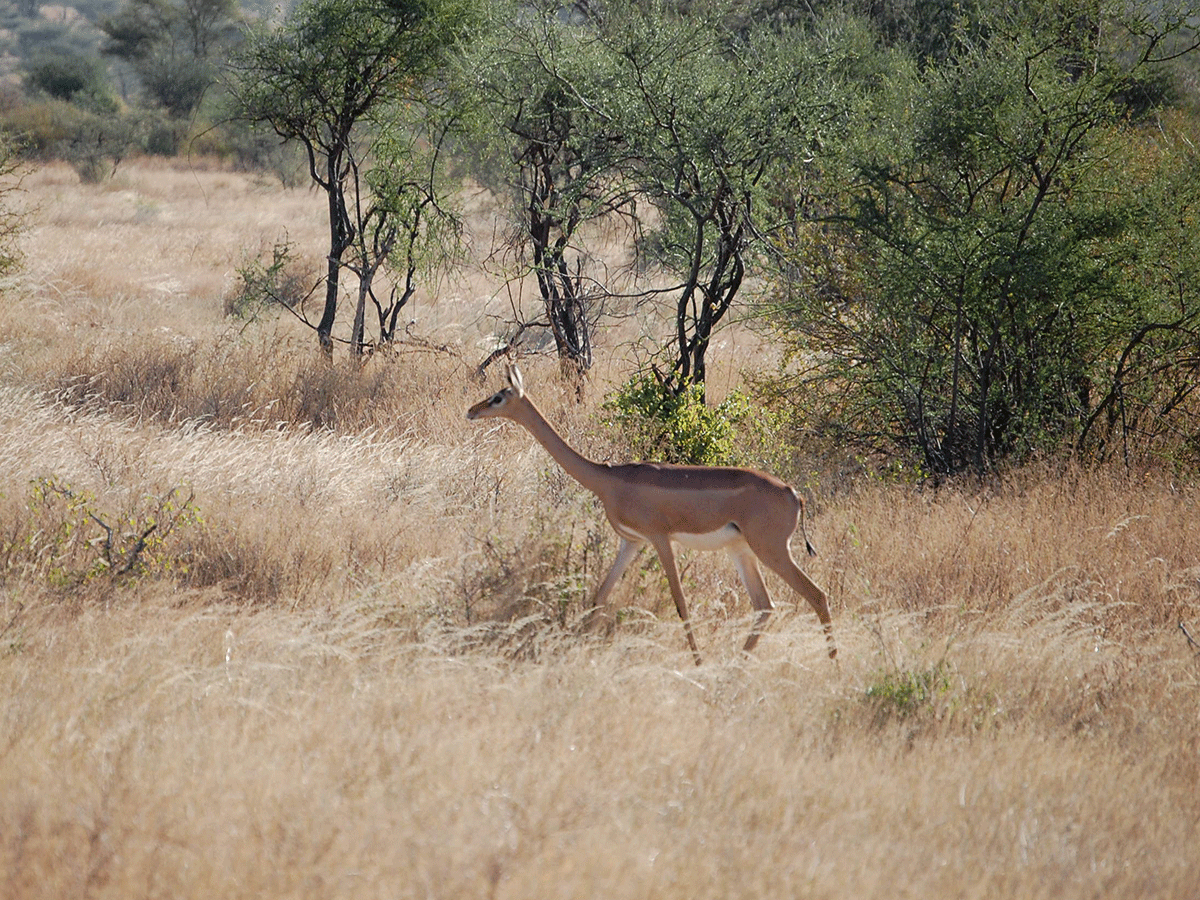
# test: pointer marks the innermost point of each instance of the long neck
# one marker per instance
(579, 467)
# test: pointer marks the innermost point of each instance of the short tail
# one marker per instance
(803, 531)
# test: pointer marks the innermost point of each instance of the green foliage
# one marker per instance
(538, 143)
(173, 46)
(332, 78)
(67, 540)
(661, 425)
(177, 86)
(93, 143)
(703, 118)
(921, 696)
(411, 228)
(335, 64)
(263, 285)
(963, 279)
(905, 693)
(673, 116)
(73, 77)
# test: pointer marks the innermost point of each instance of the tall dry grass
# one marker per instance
(360, 673)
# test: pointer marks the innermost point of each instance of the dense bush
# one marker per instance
(661, 425)
(72, 77)
(964, 285)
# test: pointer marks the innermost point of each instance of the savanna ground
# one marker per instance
(347, 662)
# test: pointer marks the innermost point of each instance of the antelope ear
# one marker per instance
(515, 380)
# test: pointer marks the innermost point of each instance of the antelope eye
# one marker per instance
(497, 399)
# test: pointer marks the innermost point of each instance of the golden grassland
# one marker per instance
(353, 666)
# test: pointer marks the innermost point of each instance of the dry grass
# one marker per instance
(362, 675)
(163, 241)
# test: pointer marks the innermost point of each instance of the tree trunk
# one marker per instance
(357, 336)
(565, 307)
(341, 235)
(325, 326)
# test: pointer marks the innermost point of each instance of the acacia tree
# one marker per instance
(331, 77)
(974, 287)
(1144, 379)
(543, 148)
(660, 113)
(172, 45)
(704, 117)
(407, 227)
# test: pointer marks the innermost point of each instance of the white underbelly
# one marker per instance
(725, 538)
(721, 539)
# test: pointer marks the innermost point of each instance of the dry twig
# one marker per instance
(1191, 640)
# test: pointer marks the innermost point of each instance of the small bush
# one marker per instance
(92, 141)
(67, 540)
(263, 285)
(542, 574)
(663, 426)
(903, 693)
